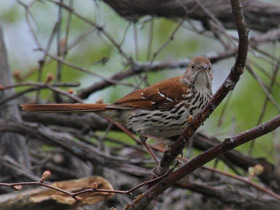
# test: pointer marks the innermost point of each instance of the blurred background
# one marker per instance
(94, 38)
(90, 49)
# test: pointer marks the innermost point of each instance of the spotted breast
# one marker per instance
(171, 121)
(160, 110)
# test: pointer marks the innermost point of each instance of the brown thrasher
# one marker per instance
(161, 110)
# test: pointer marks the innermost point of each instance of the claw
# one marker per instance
(189, 119)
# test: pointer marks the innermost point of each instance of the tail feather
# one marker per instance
(63, 107)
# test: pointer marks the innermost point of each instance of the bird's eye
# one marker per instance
(192, 66)
(209, 67)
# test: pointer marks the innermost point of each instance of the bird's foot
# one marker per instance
(189, 119)
(160, 171)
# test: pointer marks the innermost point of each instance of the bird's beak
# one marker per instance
(203, 67)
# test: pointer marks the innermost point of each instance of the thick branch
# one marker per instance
(80, 149)
(205, 157)
(85, 122)
(260, 16)
(139, 68)
(230, 192)
(90, 122)
(271, 36)
(228, 85)
(203, 142)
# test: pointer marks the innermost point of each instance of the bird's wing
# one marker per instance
(164, 94)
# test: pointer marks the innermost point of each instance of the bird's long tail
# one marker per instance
(63, 107)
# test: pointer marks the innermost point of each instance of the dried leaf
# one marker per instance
(76, 186)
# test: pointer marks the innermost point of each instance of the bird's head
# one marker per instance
(198, 73)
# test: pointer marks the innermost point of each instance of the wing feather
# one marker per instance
(164, 94)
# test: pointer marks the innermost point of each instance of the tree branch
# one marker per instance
(253, 10)
(228, 85)
(139, 68)
(203, 158)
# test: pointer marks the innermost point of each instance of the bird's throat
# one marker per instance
(202, 81)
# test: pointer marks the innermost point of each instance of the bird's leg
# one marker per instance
(143, 140)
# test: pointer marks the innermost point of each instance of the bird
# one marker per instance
(159, 111)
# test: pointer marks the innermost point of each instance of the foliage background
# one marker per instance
(247, 101)
(245, 104)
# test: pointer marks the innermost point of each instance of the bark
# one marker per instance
(231, 193)
(79, 149)
(11, 144)
(203, 142)
(198, 161)
(92, 122)
(45, 198)
(260, 16)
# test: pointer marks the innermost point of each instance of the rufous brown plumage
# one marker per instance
(160, 110)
